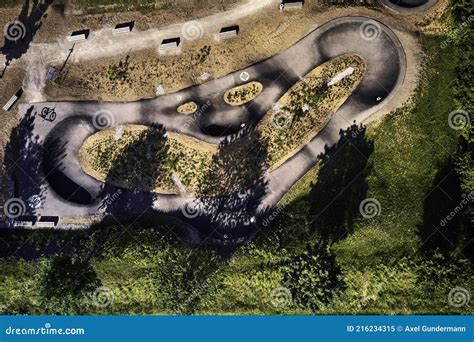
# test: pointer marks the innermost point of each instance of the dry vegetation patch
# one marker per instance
(242, 94)
(146, 158)
(188, 108)
(307, 107)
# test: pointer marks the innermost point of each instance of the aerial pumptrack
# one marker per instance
(52, 176)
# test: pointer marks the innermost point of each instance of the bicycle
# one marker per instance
(48, 114)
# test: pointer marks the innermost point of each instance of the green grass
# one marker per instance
(411, 146)
(105, 6)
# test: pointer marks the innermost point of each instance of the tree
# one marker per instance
(313, 277)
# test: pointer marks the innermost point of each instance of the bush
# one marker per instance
(313, 277)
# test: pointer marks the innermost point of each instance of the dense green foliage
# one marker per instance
(465, 159)
(463, 14)
(313, 277)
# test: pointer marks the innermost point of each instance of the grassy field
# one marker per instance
(410, 148)
(390, 262)
(144, 6)
(103, 6)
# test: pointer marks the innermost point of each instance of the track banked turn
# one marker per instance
(408, 6)
(232, 220)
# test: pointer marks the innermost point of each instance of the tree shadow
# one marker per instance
(446, 225)
(53, 168)
(225, 208)
(69, 275)
(127, 197)
(132, 169)
(223, 211)
(23, 164)
(25, 184)
(341, 185)
(22, 31)
(132, 176)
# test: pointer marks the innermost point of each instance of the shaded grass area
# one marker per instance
(140, 270)
(389, 264)
(392, 263)
(410, 147)
(395, 262)
(104, 6)
(10, 3)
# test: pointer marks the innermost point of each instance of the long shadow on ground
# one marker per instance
(341, 185)
(22, 165)
(446, 226)
(22, 32)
